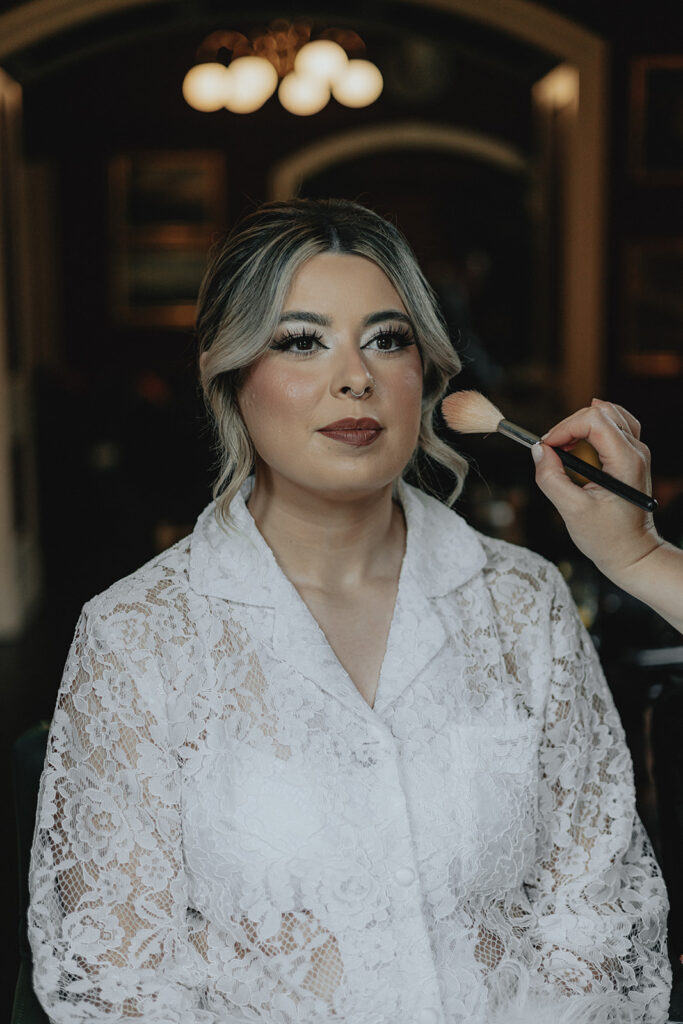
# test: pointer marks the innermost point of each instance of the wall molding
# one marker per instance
(584, 255)
(287, 174)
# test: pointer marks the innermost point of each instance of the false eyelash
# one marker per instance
(403, 333)
(288, 339)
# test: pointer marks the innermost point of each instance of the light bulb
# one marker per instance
(302, 95)
(360, 85)
(322, 59)
(204, 86)
(561, 85)
(251, 81)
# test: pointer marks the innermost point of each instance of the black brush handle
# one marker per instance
(610, 483)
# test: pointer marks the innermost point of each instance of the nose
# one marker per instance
(352, 375)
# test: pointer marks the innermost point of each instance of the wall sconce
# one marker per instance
(240, 74)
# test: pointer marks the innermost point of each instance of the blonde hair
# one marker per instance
(242, 296)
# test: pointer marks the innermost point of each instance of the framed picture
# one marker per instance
(157, 287)
(165, 209)
(653, 308)
(656, 119)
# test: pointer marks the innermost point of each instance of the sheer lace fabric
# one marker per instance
(228, 833)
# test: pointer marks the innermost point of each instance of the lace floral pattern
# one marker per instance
(228, 833)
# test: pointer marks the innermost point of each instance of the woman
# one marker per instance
(338, 756)
(620, 538)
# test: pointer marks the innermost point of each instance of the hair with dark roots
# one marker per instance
(242, 296)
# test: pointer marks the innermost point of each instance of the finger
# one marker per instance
(613, 412)
(566, 427)
(552, 479)
(604, 428)
(617, 413)
(620, 453)
(626, 418)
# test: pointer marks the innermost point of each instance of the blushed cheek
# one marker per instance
(298, 391)
(408, 397)
(276, 390)
(412, 379)
(410, 384)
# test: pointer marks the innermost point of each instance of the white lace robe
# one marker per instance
(227, 832)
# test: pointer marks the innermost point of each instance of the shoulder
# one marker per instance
(527, 589)
(520, 566)
(451, 552)
(133, 609)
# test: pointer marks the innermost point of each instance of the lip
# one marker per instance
(356, 438)
(364, 423)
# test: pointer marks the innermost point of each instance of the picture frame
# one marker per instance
(165, 210)
(652, 321)
(157, 286)
(656, 120)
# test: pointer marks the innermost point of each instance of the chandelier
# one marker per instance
(240, 74)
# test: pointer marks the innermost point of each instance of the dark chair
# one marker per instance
(28, 755)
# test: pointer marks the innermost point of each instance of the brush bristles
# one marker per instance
(469, 412)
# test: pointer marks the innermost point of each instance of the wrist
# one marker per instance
(641, 564)
(626, 556)
(656, 578)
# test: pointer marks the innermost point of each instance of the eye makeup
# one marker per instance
(285, 342)
(403, 336)
(400, 337)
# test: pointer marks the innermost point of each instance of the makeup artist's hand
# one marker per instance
(619, 537)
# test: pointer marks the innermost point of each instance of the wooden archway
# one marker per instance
(585, 118)
(584, 57)
(286, 176)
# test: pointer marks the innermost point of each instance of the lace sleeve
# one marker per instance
(107, 920)
(598, 894)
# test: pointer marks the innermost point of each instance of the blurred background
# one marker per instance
(531, 152)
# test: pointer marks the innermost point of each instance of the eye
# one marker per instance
(299, 343)
(391, 340)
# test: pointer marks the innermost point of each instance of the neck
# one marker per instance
(330, 542)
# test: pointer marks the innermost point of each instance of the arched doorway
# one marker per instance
(464, 199)
(582, 127)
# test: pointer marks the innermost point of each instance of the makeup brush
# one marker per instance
(469, 412)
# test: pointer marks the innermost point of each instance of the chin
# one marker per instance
(339, 475)
(351, 481)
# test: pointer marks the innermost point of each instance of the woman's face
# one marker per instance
(342, 323)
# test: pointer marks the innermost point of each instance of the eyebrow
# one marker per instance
(303, 316)
(307, 318)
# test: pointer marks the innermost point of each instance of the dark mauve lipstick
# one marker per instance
(358, 432)
(364, 423)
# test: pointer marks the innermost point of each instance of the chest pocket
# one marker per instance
(494, 775)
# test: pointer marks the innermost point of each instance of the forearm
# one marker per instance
(620, 538)
(657, 580)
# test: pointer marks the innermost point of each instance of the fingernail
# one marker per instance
(543, 436)
(537, 452)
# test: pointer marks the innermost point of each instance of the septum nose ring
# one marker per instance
(360, 394)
